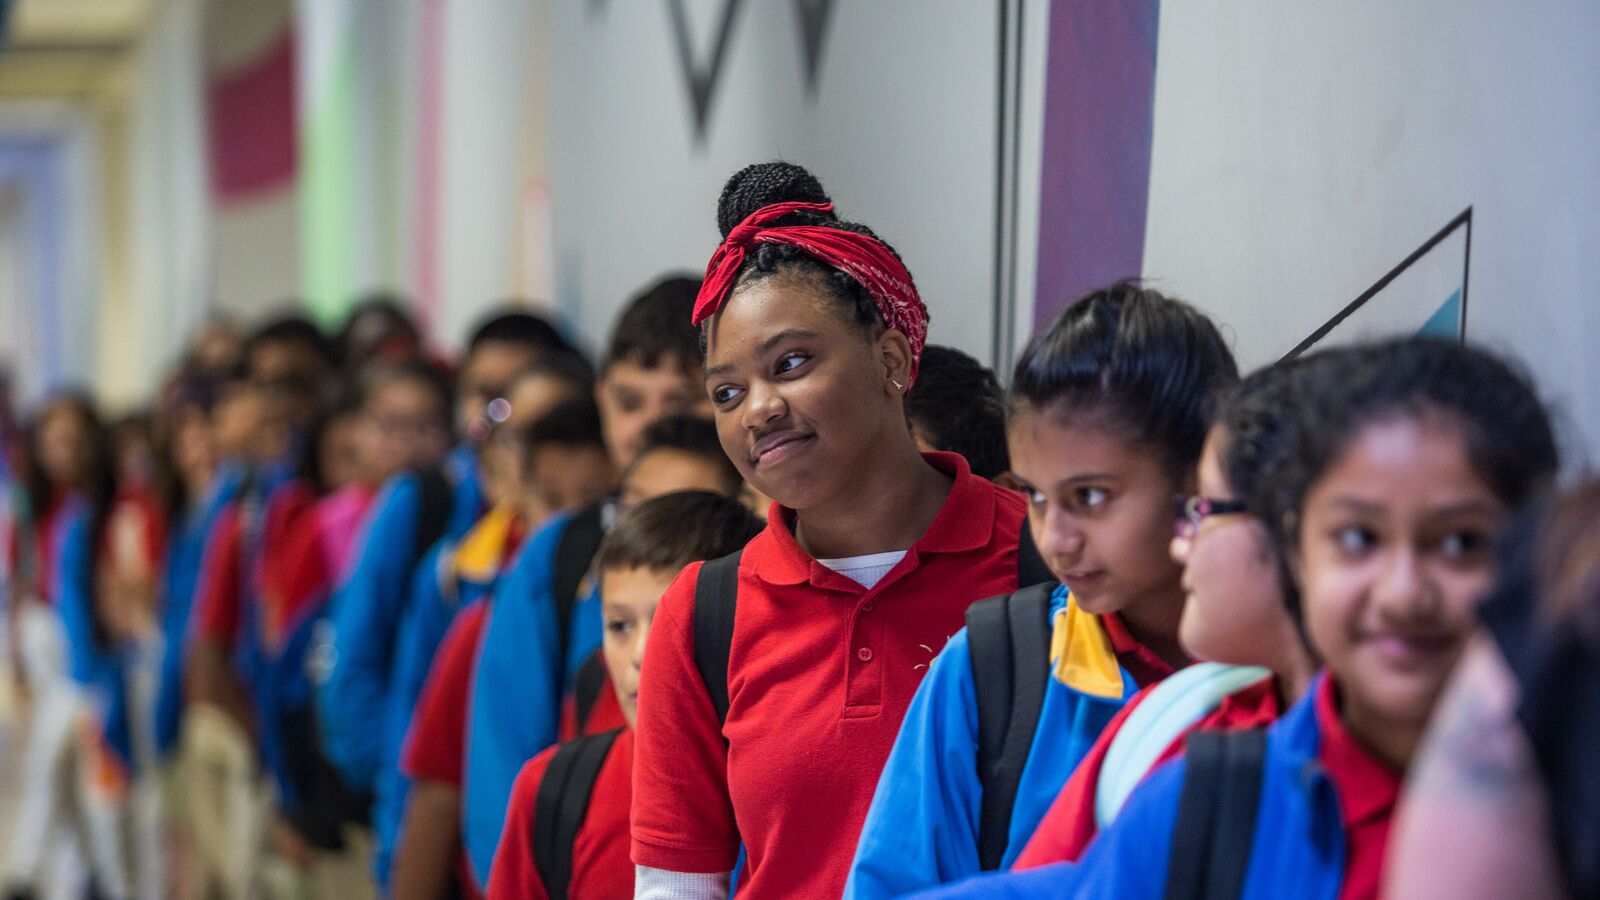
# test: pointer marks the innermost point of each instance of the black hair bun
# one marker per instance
(766, 183)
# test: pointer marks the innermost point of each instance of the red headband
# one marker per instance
(861, 256)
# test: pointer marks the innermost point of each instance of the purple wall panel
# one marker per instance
(1095, 184)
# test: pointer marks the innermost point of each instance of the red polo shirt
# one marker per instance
(1366, 788)
(219, 586)
(820, 673)
(436, 744)
(1068, 827)
(437, 741)
(600, 866)
(296, 573)
(1138, 660)
(283, 583)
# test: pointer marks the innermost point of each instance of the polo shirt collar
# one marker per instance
(1140, 661)
(1366, 787)
(483, 549)
(965, 522)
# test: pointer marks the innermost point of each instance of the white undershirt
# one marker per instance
(660, 884)
(867, 570)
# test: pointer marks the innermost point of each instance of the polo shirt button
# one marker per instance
(864, 654)
(867, 606)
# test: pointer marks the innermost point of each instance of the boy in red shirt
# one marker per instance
(637, 563)
(677, 454)
(434, 755)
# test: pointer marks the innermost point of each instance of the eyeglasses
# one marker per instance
(1192, 511)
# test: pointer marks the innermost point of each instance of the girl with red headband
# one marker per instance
(767, 729)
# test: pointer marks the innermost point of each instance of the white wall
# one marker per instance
(1301, 150)
(168, 218)
(485, 92)
(902, 133)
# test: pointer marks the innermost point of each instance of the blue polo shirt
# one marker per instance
(521, 676)
(353, 700)
(922, 828)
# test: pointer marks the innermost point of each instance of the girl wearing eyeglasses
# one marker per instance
(1235, 616)
(1409, 458)
(1109, 409)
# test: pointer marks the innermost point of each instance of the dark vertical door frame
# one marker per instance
(1007, 165)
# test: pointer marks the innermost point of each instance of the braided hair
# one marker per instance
(763, 184)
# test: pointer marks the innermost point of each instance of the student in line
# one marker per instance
(379, 329)
(402, 420)
(431, 837)
(1410, 457)
(1501, 801)
(431, 763)
(958, 405)
(411, 512)
(651, 370)
(637, 563)
(69, 485)
(459, 569)
(872, 552)
(264, 414)
(1109, 410)
(679, 453)
(1235, 616)
(193, 488)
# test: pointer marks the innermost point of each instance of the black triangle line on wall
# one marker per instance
(814, 17)
(1462, 220)
(702, 82)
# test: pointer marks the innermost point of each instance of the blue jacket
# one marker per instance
(96, 666)
(518, 686)
(1298, 849)
(269, 487)
(922, 827)
(443, 585)
(278, 666)
(366, 613)
(415, 647)
(180, 581)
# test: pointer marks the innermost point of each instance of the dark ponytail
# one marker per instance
(1135, 359)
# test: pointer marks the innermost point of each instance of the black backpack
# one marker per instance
(575, 551)
(1211, 842)
(591, 680)
(437, 499)
(562, 804)
(716, 595)
(1008, 640)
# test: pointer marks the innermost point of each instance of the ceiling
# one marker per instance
(49, 24)
(68, 48)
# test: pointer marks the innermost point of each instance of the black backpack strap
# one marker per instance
(1216, 826)
(1031, 568)
(433, 512)
(716, 594)
(1008, 638)
(562, 803)
(575, 551)
(591, 681)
